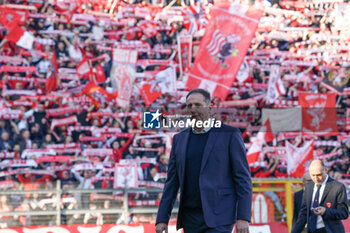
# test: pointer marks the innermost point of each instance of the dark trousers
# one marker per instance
(320, 230)
(194, 222)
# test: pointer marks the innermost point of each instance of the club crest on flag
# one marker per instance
(220, 47)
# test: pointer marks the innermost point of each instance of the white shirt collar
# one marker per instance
(204, 130)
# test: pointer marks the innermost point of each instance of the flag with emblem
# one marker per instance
(223, 47)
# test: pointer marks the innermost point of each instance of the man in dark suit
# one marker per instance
(210, 167)
(324, 203)
(298, 198)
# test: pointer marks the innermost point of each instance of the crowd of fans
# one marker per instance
(35, 151)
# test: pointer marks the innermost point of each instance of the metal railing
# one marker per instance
(119, 207)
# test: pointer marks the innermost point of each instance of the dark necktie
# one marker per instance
(313, 217)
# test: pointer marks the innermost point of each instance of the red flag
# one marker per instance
(100, 74)
(97, 94)
(297, 158)
(51, 81)
(20, 37)
(269, 136)
(185, 52)
(264, 135)
(149, 93)
(148, 28)
(83, 68)
(9, 18)
(65, 6)
(194, 18)
(163, 82)
(319, 112)
(223, 47)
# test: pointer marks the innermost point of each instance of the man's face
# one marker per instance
(317, 173)
(5, 136)
(197, 107)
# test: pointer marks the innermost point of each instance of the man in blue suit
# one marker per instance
(210, 167)
(324, 203)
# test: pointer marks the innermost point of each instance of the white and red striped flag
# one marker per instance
(297, 158)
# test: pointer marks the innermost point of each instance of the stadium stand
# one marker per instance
(68, 113)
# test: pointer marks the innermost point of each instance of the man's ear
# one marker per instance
(210, 106)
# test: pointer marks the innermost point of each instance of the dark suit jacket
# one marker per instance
(225, 183)
(298, 197)
(334, 199)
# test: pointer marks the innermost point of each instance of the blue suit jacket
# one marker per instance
(334, 199)
(298, 198)
(225, 183)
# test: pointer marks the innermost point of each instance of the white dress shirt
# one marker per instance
(320, 223)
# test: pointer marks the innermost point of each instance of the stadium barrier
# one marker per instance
(60, 207)
(134, 228)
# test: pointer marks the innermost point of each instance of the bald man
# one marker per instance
(324, 203)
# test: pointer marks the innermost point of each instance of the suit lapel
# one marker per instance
(183, 145)
(213, 135)
(326, 189)
(309, 195)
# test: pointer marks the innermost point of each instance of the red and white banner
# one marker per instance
(60, 158)
(319, 112)
(64, 121)
(7, 184)
(148, 92)
(223, 48)
(88, 166)
(298, 157)
(264, 135)
(97, 94)
(21, 38)
(55, 112)
(256, 147)
(83, 67)
(276, 87)
(163, 82)
(12, 60)
(7, 155)
(125, 56)
(8, 113)
(17, 69)
(125, 176)
(123, 76)
(97, 152)
(18, 163)
(185, 52)
(148, 28)
(280, 227)
(234, 103)
(28, 153)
